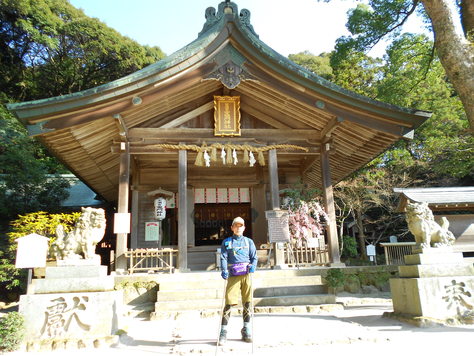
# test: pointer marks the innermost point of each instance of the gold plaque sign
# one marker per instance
(226, 115)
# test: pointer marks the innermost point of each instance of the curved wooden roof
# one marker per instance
(172, 101)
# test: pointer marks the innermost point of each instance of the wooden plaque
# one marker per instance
(226, 116)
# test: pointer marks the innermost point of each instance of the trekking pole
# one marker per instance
(221, 315)
(252, 314)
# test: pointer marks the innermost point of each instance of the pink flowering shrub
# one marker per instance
(306, 219)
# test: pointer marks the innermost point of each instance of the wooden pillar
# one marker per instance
(328, 196)
(122, 205)
(182, 211)
(274, 185)
(135, 208)
(275, 201)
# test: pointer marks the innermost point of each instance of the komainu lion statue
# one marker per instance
(427, 232)
(80, 242)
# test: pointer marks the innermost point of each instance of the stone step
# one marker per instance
(215, 275)
(207, 304)
(259, 281)
(309, 299)
(138, 310)
(293, 290)
(286, 281)
(290, 309)
(217, 293)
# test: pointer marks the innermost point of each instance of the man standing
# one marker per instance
(238, 260)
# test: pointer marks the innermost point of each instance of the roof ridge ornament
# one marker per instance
(226, 7)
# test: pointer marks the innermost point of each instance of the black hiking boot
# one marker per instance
(246, 335)
(222, 338)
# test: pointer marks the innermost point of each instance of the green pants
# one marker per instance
(238, 285)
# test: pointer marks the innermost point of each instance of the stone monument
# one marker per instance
(75, 305)
(436, 285)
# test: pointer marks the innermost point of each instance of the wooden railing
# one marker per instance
(395, 252)
(304, 256)
(151, 259)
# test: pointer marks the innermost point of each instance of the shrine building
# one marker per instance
(217, 129)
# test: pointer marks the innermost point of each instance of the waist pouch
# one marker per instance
(238, 269)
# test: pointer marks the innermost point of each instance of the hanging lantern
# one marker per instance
(160, 208)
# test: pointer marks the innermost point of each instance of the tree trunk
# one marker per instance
(455, 52)
(467, 17)
(361, 237)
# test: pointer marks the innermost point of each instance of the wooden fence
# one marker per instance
(395, 252)
(304, 256)
(151, 259)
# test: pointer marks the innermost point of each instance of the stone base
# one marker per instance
(433, 297)
(68, 318)
(426, 322)
(436, 284)
(71, 344)
(73, 279)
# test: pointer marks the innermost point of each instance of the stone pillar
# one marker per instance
(328, 196)
(182, 211)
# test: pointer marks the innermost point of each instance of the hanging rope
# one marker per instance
(228, 152)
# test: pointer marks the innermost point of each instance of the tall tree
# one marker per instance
(452, 23)
(50, 48)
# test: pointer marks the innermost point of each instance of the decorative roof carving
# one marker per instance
(230, 75)
(226, 8)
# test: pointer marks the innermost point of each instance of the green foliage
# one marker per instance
(12, 280)
(42, 223)
(51, 48)
(317, 64)
(368, 23)
(335, 278)
(12, 331)
(349, 248)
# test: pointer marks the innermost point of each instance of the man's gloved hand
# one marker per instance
(252, 268)
(225, 274)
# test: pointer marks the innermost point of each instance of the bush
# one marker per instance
(42, 223)
(335, 278)
(13, 280)
(349, 247)
(12, 330)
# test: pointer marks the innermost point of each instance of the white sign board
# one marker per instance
(370, 250)
(152, 231)
(312, 242)
(32, 251)
(121, 223)
(160, 208)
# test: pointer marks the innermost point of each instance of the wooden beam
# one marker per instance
(125, 103)
(330, 127)
(121, 126)
(368, 121)
(261, 134)
(188, 116)
(263, 117)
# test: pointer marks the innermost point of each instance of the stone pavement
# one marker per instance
(356, 329)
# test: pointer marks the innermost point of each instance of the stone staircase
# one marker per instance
(202, 292)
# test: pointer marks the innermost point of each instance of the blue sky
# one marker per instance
(288, 26)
